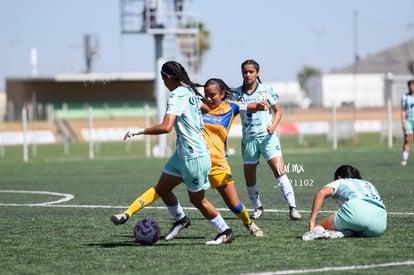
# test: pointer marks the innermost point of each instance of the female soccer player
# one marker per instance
(217, 123)
(190, 163)
(361, 213)
(259, 137)
(407, 120)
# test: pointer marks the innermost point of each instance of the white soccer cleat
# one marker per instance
(404, 163)
(313, 235)
(258, 212)
(254, 230)
(322, 234)
(227, 236)
(294, 214)
(333, 234)
(177, 227)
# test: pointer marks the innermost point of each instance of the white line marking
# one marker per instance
(66, 197)
(163, 207)
(337, 268)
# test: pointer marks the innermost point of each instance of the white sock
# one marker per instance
(176, 211)
(254, 195)
(218, 223)
(287, 190)
(405, 155)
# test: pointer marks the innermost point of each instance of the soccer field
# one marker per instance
(59, 221)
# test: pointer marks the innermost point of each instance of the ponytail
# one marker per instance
(175, 70)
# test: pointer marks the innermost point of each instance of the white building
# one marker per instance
(290, 94)
(360, 90)
(368, 82)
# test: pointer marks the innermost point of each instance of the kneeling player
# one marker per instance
(361, 213)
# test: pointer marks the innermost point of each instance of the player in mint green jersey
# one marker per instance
(190, 163)
(259, 138)
(407, 120)
(361, 213)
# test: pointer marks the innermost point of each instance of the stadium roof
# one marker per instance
(105, 76)
(394, 60)
(91, 77)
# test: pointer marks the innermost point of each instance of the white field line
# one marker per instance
(68, 197)
(335, 268)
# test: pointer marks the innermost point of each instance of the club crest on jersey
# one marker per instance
(193, 100)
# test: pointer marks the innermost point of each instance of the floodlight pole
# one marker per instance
(159, 22)
(355, 73)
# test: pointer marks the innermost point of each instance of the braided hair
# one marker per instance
(176, 71)
(221, 86)
(255, 65)
(347, 171)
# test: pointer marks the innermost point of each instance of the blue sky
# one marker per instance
(281, 35)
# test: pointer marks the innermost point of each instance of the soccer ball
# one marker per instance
(146, 232)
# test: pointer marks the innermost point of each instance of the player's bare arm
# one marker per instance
(165, 127)
(403, 119)
(277, 116)
(256, 107)
(324, 193)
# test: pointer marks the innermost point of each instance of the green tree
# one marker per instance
(194, 46)
(305, 73)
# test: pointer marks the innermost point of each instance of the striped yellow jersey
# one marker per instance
(217, 125)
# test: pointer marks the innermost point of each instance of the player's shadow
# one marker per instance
(161, 242)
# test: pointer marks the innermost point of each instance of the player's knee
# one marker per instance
(199, 203)
(238, 209)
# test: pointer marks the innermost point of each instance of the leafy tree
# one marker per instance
(305, 73)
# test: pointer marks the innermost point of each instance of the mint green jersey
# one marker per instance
(407, 102)
(348, 189)
(255, 123)
(188, 125)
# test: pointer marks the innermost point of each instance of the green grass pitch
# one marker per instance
(77, 237)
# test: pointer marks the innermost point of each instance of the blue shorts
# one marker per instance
(365, 218)
(268, 146)
(194, 172)
(409, 127)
